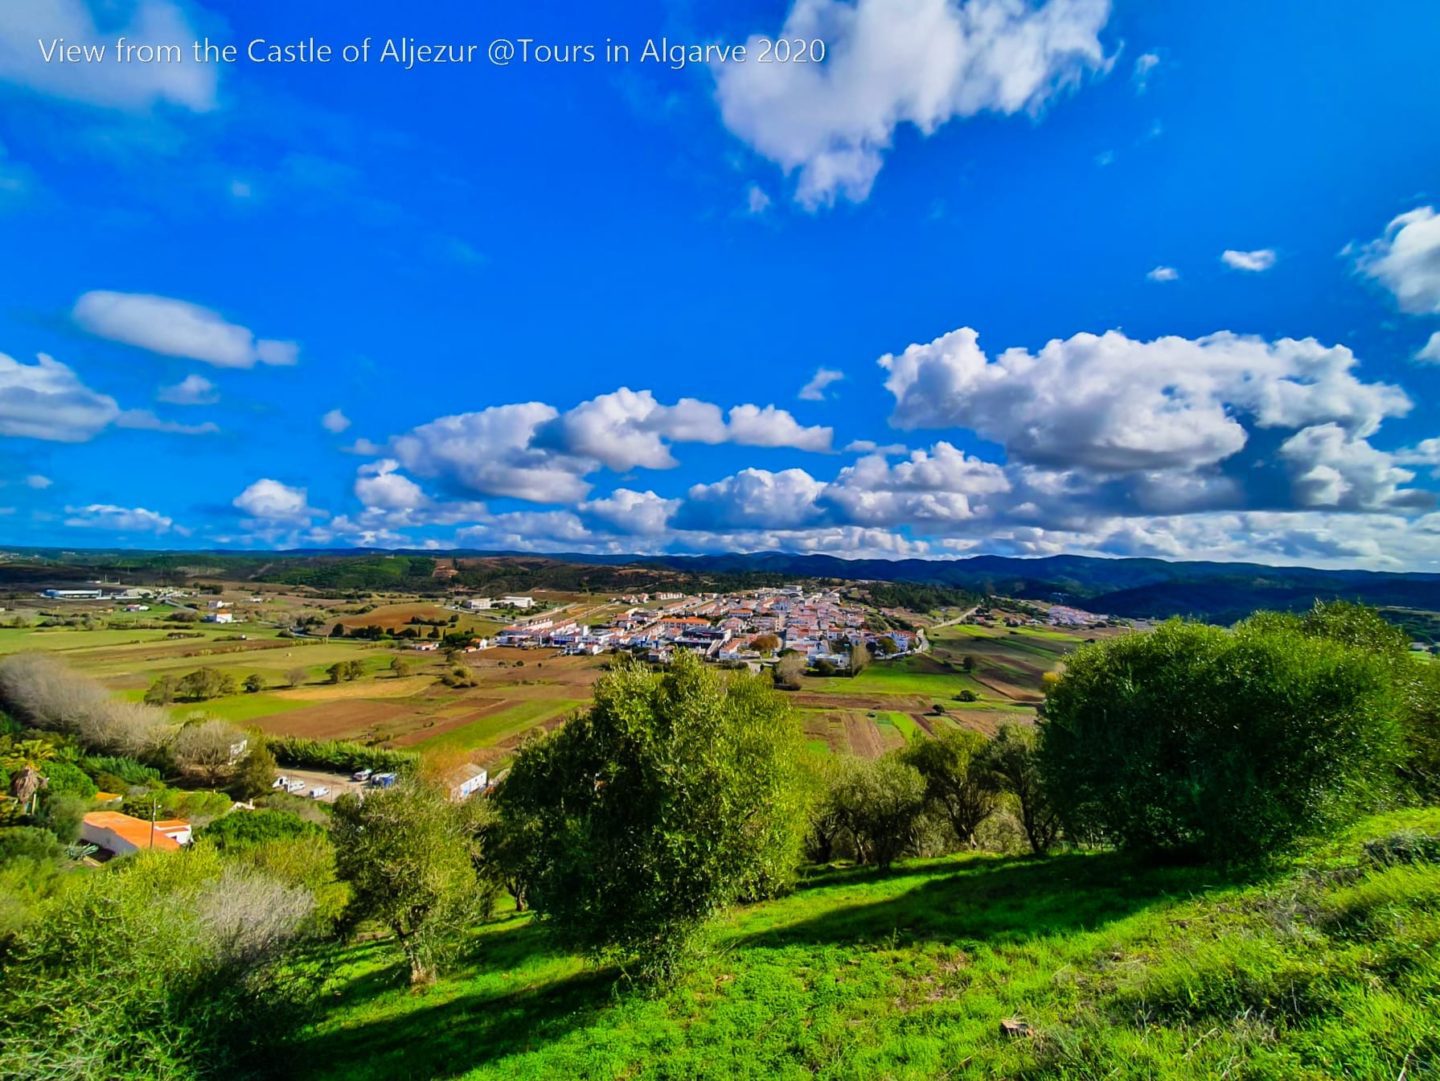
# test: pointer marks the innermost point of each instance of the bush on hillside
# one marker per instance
(256, 827)
(1416, 682)
(128, 770)
(157, 966)
(676, 795)
(1226, 743)
(27, 842)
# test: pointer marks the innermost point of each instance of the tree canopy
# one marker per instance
(1231, 743)
(675, 795)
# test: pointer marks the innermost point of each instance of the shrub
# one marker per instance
(341, 755)
(43, 693)
(28, 842)
(128, 770)
(245, 828)
(157, 966)
(789, 670)
(1227, 743)
(62, 814)
(65, 778)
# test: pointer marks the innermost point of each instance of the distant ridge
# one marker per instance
(1144, 588)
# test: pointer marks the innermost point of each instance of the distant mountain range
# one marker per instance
(1139, 588)
(1221, 592)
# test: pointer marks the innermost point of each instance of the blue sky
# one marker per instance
(1115, 278)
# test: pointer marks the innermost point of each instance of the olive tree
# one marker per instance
(675, 795)
(1010, 764)
(406, 853)
(1227, 743)
(882, 803)
(956, 788)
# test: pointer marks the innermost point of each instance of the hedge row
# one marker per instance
(338, 754)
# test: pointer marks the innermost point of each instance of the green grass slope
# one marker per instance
(1324, 966)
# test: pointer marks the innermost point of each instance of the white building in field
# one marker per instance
(465, 780)
(479, 604)
(518, 602)
(219, 617)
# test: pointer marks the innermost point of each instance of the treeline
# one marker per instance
(914, 597)
(344, 756)
(394, 573)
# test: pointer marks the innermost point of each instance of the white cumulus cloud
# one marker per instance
(269, 500)
(47, 400)
(922, 62)
(1253, 261)
(1406, 260)
(109, 82)
(1109, 403)
(177, 328)
(119, 519)
(192, 390)
(814, 391)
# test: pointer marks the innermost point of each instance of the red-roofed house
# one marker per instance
(123, 834)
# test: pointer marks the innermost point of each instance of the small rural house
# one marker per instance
(464, 781)
(121, 834)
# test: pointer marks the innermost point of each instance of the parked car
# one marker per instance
(318, 791)
(361, 775)
(383, 780)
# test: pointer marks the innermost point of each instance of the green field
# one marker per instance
(902, 723)
(490, 730)
(1320, 967)
(919, 675)
(129, 660)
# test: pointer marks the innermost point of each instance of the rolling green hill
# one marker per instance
(1325, 965)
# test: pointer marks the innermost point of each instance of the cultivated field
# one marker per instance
(893, 701)
(516, 692)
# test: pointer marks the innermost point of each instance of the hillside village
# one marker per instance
(748, 627)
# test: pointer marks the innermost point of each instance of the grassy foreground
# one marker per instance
(1326, 965)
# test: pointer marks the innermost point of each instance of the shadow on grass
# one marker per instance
(455, 1034)
(993, 901)
(996, 901)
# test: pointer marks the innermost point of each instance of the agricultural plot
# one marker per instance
(513, 691)
(893, 701)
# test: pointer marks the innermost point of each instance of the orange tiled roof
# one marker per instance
(134, 830)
